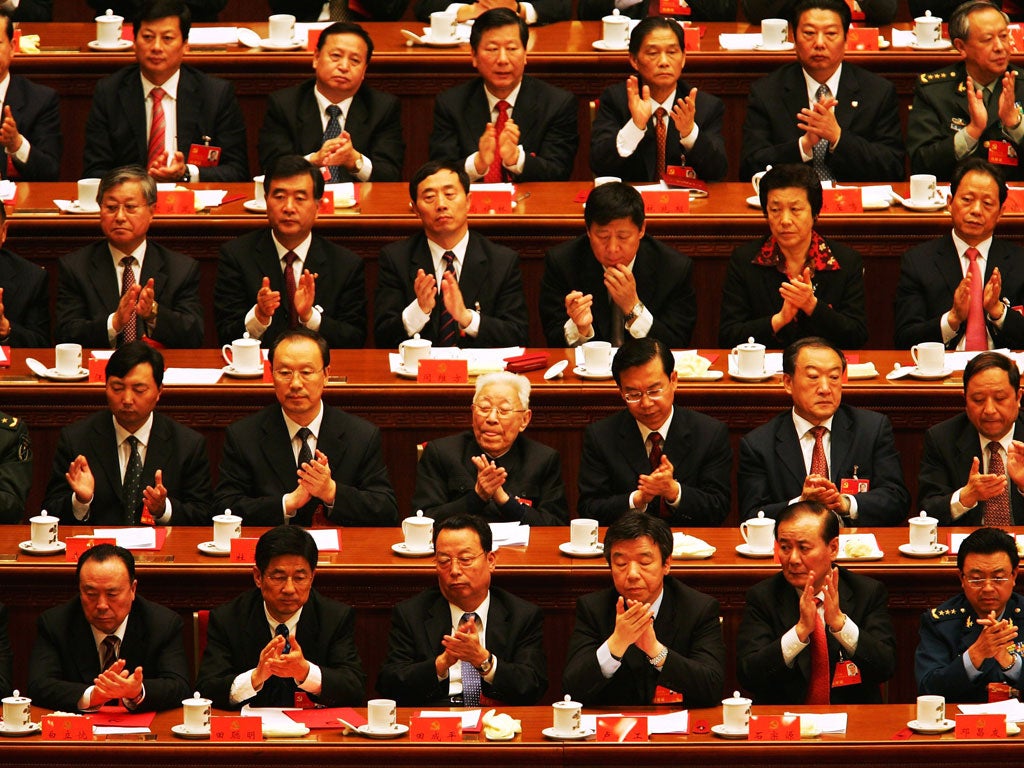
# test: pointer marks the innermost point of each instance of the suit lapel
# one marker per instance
(842, 444)
(103, 276)
(83, 647)
(787, 449)
(633, 449)
(268, 263)
(949, 264)
(157, 451)
(105, 445)
(331, 439)
(153, 266)
(438, 623)
(310, 125)
(526, 111)
(794, 93)
(849, 93)
(474, 272)
(592, 282)
(189, 105)
(133, 107)
(277, 448)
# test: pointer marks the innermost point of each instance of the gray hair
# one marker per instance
(124, 174)
(518, 382)
(959, 21)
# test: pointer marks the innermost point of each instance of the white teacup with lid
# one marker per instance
(924, 532)
(17, 711)
(759, 532)
(748, 359)
(615, 30)
(108, 29)
(566, 716)
(736, 712)
(418, 531)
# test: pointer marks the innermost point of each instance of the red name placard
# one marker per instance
(774, 728)
(862, 39)
(243, 551)
(327, 203)
(498, 201)
(76, 545)
(845, 200)
(980, 726)
(622, 729)
(433, 371)
(228, 728)
(666, 201)
(176, 201)
(67, 728)
(436, 729)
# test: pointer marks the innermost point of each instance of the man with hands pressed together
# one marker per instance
(972, 108)
(24, 297)
(108, 644)
(272, 645)
(464, 642)
(972, 641)
(650, 639)
(655, 118)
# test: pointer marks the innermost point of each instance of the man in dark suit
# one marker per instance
(649, 639)
(795, 650)
(178, 122)
(625, 142)
(25, 307)
(130, 465)
(464, 642)
(302, 461)
(700, 10)
(820, 98)
(492, 470)
(449, 285)
(30, 134)
(807, 453)
(616, 282)
(199, 10)
(255, 293)
(504, 125)
(972, 465)
(322, 10)
(869, 12)
(30, 10)
(335, 120)
(535, 12)
(107, 644)
(941, 287)
(671, 462)
(282, 639)
(122, 288)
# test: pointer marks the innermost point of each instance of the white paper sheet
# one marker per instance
(275, 722)
(213, 36)
(670, 722)
(470, 717)
(129, 538)
(326, 538)
(112, 730)
(192, 376)
(509, 535)
(1011, 708)
(831, 722)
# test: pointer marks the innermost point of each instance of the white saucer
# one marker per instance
(939, 46)
(403, 551)
(230, 370)
(255, 206)
(287, 732)
(601, 45)
(76, 207)
(556, 370)
(387, 733)
(754, 201)
(184, 733)
(51, 373)
(729, 733)
(50, 549)
(916, 374)
(936, 551)
(271, 45)
(857, 377)
(709, 376)
(567, 548)
(28, 730)
(510, 737)
(583, 733)
(211, 549)
(406, 373)
(761, 377)
(745, 550)
(583, 373)
(910, 205)
(876, 555)
(940, 727)
(786, 46)
(120, 45)
(428, 39)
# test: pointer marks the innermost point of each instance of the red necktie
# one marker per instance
(976, 338)
(129, 332)
(290, 287)
(449, 328)
(655, 440)
(496, 173)
(818, 464)
(997, 509)
(158, 126)
(818, 690)
(661, 134)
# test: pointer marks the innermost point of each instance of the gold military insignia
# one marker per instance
(11, 422)
(969, 623)
(25, 448)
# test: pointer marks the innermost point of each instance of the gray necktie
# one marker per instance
(821, 148)
(471, 685)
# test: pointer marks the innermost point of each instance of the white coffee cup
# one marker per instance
(244, 355)
(419, 532)
(606, 180)
(108, 29)
(225, 528)
(44, 530)
(68, 359)
(615, 30)
(736, 712)
(749, 358)
(924, 532)
(566, 716)
(755, 180)
(17, 711)
(923, 189)
(281, 28)
(774, 33)
(413, 350)
(597, 356)
(87, 191)
(927, 29)
(381, 714)
(583, 533)
(931, 710)
(195, 713)
(759, 533)
(443, 26)
(257, 189)
(929, 357)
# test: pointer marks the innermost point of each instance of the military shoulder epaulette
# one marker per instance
(937, 77)
(945, 614)
(11, 422)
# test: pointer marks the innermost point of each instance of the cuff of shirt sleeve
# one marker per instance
(78, 509)
(284, 508)
(489, 677)
(165, 518)
(471, 168)
(314, 320)
(791, 646)
(848, 636)
(520, 162)
(111, 333)
(852, 514)
(691, 138)
(473, 328)
(805, 156)
(413, 318)
(972, 671)
(947, 330)
(23, 151)
(254, 327)
(314, 680)
(628, 139)
(133, 704)
(573, 337)
(241, 688)
(367, 170)
(963, 144)
(642, 325)
(956, 507)
(633, 502)
(609, 666)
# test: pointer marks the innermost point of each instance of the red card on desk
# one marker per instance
(180, 202)
(691, 38)
(666, 200)
(327, 203)
(1016, 39)
(843, 200)
(498, 201)
(119, 717)
(433, 371)
(243, 551)
(1014, 200)
(622, 729)
(67, 727)
(236, 728)
(980, 726)
(862, 39)
(436, 729)
(327, 718)
(774, 728)
(76, 545)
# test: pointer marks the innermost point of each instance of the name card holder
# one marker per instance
(980, 727)
(243, 551)
(67, 728)
(436, 729)
(236, 728)
(623, 729)
(433, 371)
(774, 728)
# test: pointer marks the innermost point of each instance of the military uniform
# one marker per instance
(940, 112)
(15, 468)
(945, 633)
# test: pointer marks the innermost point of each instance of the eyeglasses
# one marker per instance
(280, 579)
(980, 583)
(285, 374)
(654, 393)
(484, 408)
(464, 561)
(129, 208)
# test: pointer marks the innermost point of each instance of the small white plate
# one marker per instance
(211, 549)
(583, 373)
(28, 730)
(556, 370)
(406, 373)
(298, 731)
(255, 206)
(786, 46)
(939, 46)
(708, 376)
(729, 733)
(77, 208)
(344, 202)
(272, 45)
(230, 370)
(754, 201)
(51, 373)
(402, 550)
(387, 733)
(583, 733)
(917, 374)
(860, 376)
(511, 736)
(601, 45)
(745, 550)
(50, 549)
(740, 377)
(936, 550)
(703, 555)
(910, 205)
(940, 727)
(428, 39)
(883, 43)
(120, 45)
(876, 555)
(184, 733)
(567, 548)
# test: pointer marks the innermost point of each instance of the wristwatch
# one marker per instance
(485, 668)
(635, 312)
(359, 163)
(659, 660)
